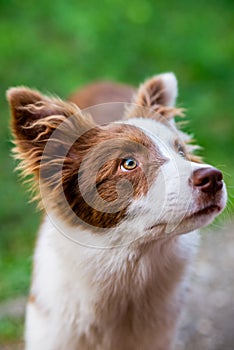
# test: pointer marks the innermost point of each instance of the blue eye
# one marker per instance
(128, 164)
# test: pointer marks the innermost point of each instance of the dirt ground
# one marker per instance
(208, 318)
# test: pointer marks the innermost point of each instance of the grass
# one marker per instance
(11, 329)
(58, 46)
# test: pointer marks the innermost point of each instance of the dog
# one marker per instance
(123, 200)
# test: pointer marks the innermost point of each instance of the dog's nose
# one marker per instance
(208, 180)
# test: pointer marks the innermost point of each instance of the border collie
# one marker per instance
(122, 199)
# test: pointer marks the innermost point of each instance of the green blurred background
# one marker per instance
(58, 46)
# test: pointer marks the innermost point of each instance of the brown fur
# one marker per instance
(115, 187)
(58, 163)
(103, 92)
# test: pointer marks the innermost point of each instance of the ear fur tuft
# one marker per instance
(156, 98)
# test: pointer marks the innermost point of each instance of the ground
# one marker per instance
(208, 320)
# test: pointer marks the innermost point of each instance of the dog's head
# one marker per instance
(137, 176)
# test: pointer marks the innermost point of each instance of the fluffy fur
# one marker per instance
(114, 249)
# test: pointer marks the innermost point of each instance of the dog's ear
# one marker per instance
(156, 95)
(158, 90)
(35, 116)
(34, 119)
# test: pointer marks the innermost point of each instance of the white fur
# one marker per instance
(68, 282)
(171, 86)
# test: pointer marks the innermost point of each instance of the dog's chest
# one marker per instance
(105, 310)
(96, 300)
(120, 323)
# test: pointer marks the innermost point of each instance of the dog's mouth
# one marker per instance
(210, 209)
(213, 208)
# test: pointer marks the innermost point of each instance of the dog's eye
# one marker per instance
(181, 152)
(128, 164)
(180, 149)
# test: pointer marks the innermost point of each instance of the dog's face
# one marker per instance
(186, 194)
(136, 176)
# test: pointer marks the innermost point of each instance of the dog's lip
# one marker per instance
(205, 211)
(212, 208)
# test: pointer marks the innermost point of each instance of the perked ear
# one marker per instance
(158, 90)
(35, 117)
(30, 110)
(157, 94)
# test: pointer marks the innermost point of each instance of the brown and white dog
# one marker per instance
(123, 201)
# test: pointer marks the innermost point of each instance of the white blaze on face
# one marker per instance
(169, 196)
